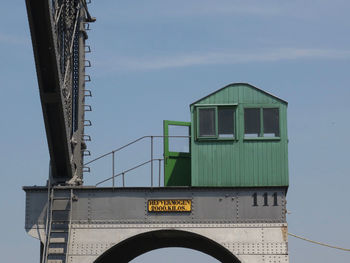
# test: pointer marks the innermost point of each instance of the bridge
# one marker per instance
(224, 195)
(93, 224)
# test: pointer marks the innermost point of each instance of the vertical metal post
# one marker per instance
(113, 169)
(159, 171)
(151, 161)
(70, 223)
(123, 179)
(49, 198)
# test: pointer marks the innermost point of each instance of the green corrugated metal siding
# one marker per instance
(240, 162)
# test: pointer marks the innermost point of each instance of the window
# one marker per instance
(207, 122)
(178, 144)
(261, 122)
(225, 122)
(271, 122)
(216, 122)
(252, 125)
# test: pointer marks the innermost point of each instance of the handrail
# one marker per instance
(132, 142)
(113, 152)
(126, 171)
(116, 150)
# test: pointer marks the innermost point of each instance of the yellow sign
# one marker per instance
(170, 205)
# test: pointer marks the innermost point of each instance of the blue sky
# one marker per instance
(151, 59)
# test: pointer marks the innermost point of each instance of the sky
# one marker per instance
(150, 60)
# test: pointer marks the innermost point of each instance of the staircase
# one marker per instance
(58, 227)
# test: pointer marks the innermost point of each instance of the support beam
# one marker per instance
(50, 82)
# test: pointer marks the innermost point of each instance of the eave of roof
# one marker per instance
(237, 84)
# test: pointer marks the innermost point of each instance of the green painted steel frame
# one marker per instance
(166, 124)
(177, 165)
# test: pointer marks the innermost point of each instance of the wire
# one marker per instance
(318, 243)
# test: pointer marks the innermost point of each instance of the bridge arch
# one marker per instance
(137, 245)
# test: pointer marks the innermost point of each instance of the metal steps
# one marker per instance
(59, 217)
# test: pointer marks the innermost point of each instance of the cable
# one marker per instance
(318, 243)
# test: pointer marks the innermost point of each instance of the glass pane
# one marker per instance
(179, 144)
(225, 122)
(252, 122)
(271, 122)
(206, 122)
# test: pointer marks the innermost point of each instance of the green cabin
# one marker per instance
(237, 137)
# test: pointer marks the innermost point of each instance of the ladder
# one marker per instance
(58, 227)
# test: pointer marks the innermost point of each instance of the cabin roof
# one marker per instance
(237, 84)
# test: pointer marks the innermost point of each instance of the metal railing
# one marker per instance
(151, 160)
(131, 169)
